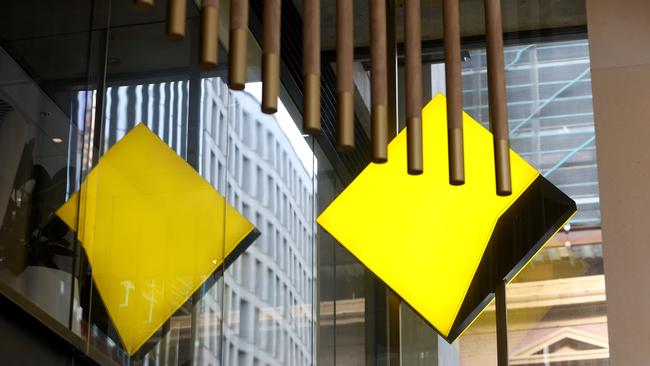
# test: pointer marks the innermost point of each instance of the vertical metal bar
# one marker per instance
(376, 326)
(394, 350)
(502, 324)
(238, 51)
(143, 4)
(176, 14)
(413, 51)
(193, 157)
(392, 300)
(379, 80)
(391, 68)
(311, 66)
(451, 25)
(344, 73)
(194, 327)
(271, 56)
(209, 33)
(497, 96)
(100, 100)
(103, 40)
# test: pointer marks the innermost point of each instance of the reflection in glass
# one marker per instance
(39, 162)
(556, 306)
(265, 167)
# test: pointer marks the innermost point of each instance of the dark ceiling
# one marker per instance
(50, 37)
(518, 15)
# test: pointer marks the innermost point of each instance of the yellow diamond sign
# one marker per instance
(153, 231)
(443, 248)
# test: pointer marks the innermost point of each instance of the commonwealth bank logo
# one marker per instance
(443, 249)
(153, 230)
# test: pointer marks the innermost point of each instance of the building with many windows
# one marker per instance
(248, 157)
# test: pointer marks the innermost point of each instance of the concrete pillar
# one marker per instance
(620, 61)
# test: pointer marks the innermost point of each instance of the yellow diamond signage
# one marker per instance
(443, 248)
(153, 231)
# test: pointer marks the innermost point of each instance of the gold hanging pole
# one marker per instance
(209, 33)
(413, 51)
(311, 66)
(379, 80)
(393, 92)
(238, 50)
(271, 56)
(143, 4)
(497, 96)
(176, 14)
(344, 73)
(451, 29)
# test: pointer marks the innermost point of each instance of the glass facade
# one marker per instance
(255, 309)
(556, 306)
(77, 78)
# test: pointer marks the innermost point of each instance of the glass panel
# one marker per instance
(259, 309)
(478, 345)
(556, 306)
(146, 109)
(269, 178)
(46, 55)
(551, 120)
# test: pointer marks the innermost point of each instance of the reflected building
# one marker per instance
(247, 156)
(556, 306)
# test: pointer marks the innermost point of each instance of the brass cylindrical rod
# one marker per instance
(379, 81)
(176, 14)
(344, 73)
(451, 29)
(311, 66)
(413, 55)
(209, 33)
(271, 56)
(391, 35)
(143, 4)
(497, 96)
(238, 49)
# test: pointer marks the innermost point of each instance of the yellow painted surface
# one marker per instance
(423, 237)
(153, 231)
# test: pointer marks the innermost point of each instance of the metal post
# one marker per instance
(394, 328)
(502, 324)
(392, 308)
